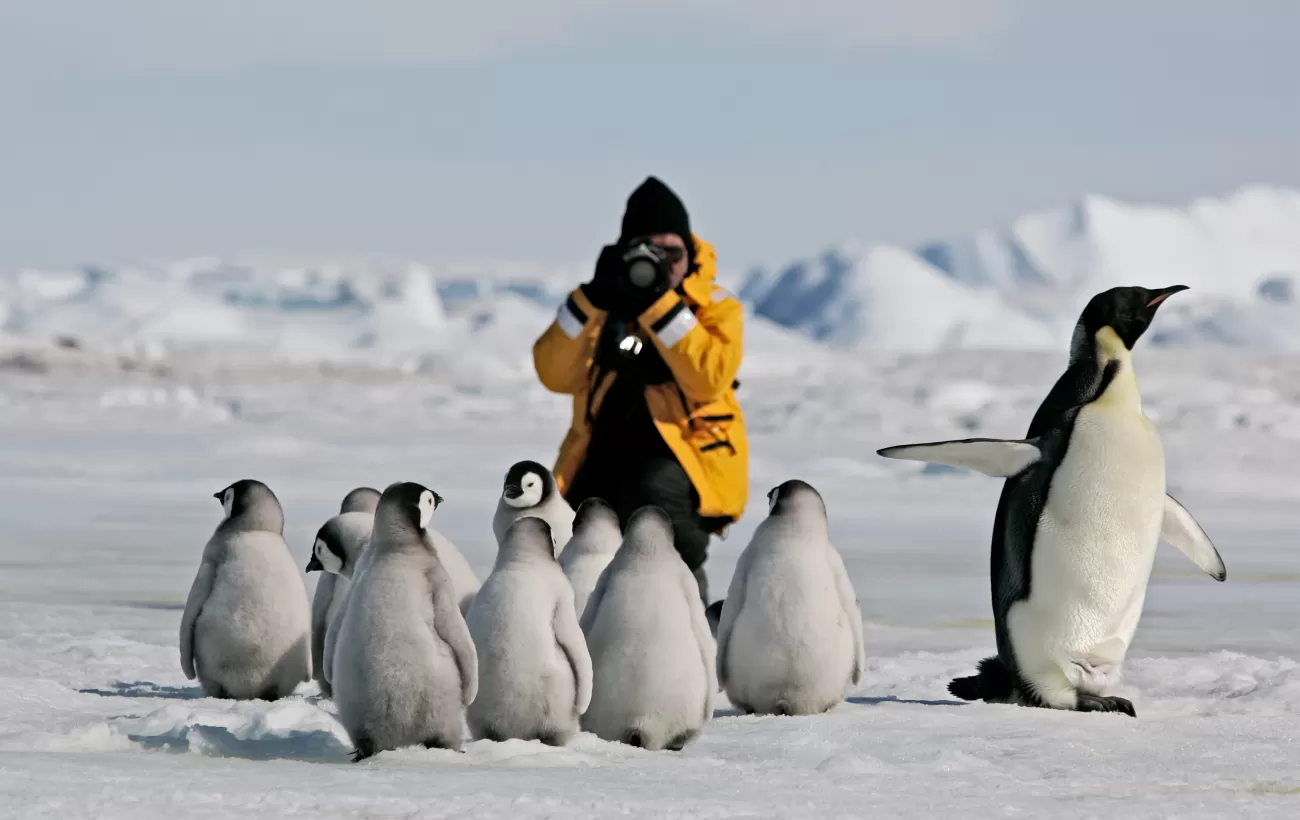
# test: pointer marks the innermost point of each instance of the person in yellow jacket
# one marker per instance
(649, 349)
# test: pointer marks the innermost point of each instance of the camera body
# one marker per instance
(645, 267)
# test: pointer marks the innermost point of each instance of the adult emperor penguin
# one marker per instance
(338, 548)
(534, 669)
(406, 668)
(1081, 513)
(790, 636)
(530, 489)
(651, 652)
(595, 540)
(246, 630)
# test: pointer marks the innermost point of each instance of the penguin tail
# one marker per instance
(992, 683)
(782, 708)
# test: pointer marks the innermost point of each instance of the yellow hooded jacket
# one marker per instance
(700, 339)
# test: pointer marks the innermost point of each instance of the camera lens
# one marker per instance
(641, 273)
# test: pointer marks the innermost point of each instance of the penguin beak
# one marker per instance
(217, 495)
(512, 491)
(314, 565)
(1159, 296)
(437, 501)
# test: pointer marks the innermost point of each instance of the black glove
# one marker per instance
(602, 290)
(609, 289)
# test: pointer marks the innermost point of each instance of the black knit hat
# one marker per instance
(654, 208)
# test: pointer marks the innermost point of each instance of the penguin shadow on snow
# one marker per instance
(303, 745)
(868, 701)
(145, 689)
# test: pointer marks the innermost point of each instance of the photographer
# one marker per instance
(649, 350)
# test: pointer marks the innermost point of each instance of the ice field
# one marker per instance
(109, 465)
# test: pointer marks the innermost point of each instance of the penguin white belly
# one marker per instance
(1092, 556)
(791, 645)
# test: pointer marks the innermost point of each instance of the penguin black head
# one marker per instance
(327, 554)
(250, 505)
(793, 495)
(527, 485)
(409, 503)
(362, 499)
(593, 509)
(1127, 311)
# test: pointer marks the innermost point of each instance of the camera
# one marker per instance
(646, 265)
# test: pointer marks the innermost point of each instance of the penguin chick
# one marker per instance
(530, 489)
(246, 629)
(534, 668)
(362, 499)
(596, 538)
(652, 655)
(790, 636)
(407, 667)
(338, 549)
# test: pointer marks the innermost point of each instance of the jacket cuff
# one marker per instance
(575, 313)
(669, 319)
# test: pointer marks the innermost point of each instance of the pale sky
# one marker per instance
(516, 128)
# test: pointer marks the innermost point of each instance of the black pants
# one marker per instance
(655, 479)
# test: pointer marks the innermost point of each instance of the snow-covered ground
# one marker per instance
(130, 393)
(109, 465)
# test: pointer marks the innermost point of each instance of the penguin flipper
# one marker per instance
(999, 458)
(1180, 529)
(568, 634)
(199, 592)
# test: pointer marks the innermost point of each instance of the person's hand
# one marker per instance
(602, 290)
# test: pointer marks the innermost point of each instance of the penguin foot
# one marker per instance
(992, 683)
(364, 750)
(679, 742)
(634, 739)
(554, 739)
(1097, 703)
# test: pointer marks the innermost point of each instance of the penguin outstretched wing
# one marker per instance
(1180, 529)
(574, 645)
(449, 625)
(849, 602)
(1000, 458)
(199, 592)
